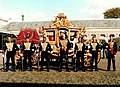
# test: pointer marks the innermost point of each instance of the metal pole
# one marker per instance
(22, 63)
(38, 62)
(3, 63)
(39, 56)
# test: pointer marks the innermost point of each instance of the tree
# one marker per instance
(112, 13)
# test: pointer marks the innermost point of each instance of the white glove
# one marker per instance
(51, 52)
(88, 47)
(3, 55)
(106, 46)
(74, 55)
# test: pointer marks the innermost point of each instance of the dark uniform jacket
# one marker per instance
(77, 48)
(47, 48)
(31, 49)
(114, 50)
(68, 47)
(14, 48)
(96, 49)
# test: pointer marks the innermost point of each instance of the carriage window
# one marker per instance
(73, 35)
(63, 31)
(51, 35)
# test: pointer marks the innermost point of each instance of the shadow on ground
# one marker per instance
(44, 85)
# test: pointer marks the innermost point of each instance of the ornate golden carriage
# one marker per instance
(53, 32)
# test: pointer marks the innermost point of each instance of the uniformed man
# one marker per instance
(28, 49)
(64, 47)
(112, 50)
(45, 47)
(94, 52)
(10, 48)
(79, 50)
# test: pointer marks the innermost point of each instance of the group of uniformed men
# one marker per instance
(80, 49)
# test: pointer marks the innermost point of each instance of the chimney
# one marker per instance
(22, 17)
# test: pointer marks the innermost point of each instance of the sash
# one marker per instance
(64, 44)
(9, 46)
(44, 45)
(94, 46)
(27, 46)
(79, 45)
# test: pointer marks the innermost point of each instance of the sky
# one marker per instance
(46, 10)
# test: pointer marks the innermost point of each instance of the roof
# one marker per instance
(77, 23)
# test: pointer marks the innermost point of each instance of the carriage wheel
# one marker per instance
(99, 57)
(87, 59)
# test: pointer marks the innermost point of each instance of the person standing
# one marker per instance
(10, 48)
(94, 52)
(112, 50)
(28, 49)
(64, 47)
(79, 50)
(45, 47)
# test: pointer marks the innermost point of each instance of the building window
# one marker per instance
(113, 35)
(119, 35)
(93, 34)
(102, 35)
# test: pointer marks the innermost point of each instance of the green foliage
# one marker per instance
(112, 13)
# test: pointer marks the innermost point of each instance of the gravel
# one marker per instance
(54, 77)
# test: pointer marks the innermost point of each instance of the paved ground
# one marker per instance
(102, 77)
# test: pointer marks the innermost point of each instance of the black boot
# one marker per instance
(30, 69)
(76, 69)
(68, 70)
(60, 69)
(12, 69)
(48, 69)
(41, 69)
(5, 70)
